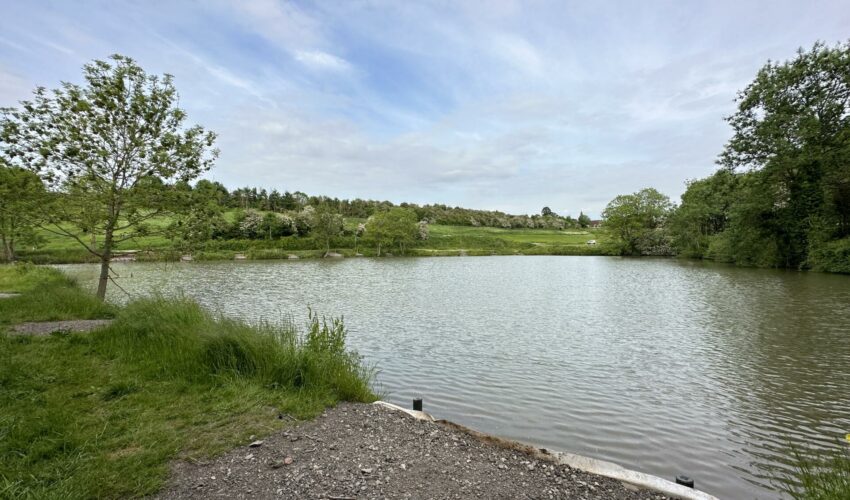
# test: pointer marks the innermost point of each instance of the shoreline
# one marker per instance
(380, 450)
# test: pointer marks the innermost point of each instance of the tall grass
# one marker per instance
(102, 414)
(168, 337)
(823, 475)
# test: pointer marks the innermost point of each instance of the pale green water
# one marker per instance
(660, 365)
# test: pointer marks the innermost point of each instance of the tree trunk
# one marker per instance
(8, 250)
(379, 249)
(105, 257)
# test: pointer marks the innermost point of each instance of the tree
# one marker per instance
(792, 133)
(704, 212)
(583, 220)
(636, 221)
(327, 224)
(22, 203)
(118, 141)
(398, 227)
(547, 212)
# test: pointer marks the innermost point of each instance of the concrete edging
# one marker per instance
(586, 464)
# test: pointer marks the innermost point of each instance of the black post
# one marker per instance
(684, 480)
(417, 404)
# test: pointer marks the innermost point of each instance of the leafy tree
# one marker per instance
(22, 203)
(250, 224)
(636, 220)
(583, 220)
(546, 212)
(704, 213)
(792, 133)
(395, 227)
(327, 224)
(304, 220)
(118, 141)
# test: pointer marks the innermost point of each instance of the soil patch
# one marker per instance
(364, 451)
(70, 326)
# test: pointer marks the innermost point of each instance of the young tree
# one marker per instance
(118, 140)
(397, 226)
(327, 224)
(635, 219)
(22, 203)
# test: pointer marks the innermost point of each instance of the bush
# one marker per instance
(831, 257)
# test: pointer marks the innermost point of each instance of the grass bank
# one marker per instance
(102, 414)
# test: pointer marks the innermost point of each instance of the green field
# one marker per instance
(443, 240)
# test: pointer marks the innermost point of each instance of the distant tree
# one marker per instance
(250, 224)
(211, 191)
(103, 140)
(396, 227)
(23, 200)
(304, 220)
(327, 224)
(583, 220)
(546, 212)
(636, 220)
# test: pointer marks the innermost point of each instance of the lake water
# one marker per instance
(660, 365)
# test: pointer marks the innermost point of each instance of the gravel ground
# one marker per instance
(359, 451)
(48, 327)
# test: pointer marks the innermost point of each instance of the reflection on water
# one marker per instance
(662, 366)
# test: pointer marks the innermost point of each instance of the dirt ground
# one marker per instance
(360, 451)
(48, 327)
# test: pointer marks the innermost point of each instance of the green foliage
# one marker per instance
(583, 220)
(326, 225)
(397, 227)
(783, 197)
(830, 256)
(637, 222)
(704, 212)
(23, 200)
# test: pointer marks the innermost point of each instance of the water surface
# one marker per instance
(660, 365)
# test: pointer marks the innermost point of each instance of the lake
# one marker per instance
(661, 365)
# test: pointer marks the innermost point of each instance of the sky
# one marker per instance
(497, 105)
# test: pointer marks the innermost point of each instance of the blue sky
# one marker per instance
(495, 105)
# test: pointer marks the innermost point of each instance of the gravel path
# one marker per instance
(48, 327)
(5, 295)
(359, 451)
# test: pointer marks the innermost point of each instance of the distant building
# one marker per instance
(595, 223)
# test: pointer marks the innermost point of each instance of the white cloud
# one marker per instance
(321, 60)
